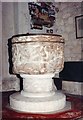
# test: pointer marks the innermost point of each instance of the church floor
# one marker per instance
(75, 113)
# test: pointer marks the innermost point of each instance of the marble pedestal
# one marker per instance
(39, 95)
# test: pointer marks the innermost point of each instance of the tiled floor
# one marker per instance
(75, 113)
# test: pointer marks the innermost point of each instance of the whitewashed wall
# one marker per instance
(8, 29)
(0, 42)
(65, 25)
(7, 32)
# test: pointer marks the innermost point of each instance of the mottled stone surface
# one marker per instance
(36, 58)
(70, 87)
(38, 85)
(37, 105)
(65, 25)
(10, 83)
(40, 37)
(37, 54)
